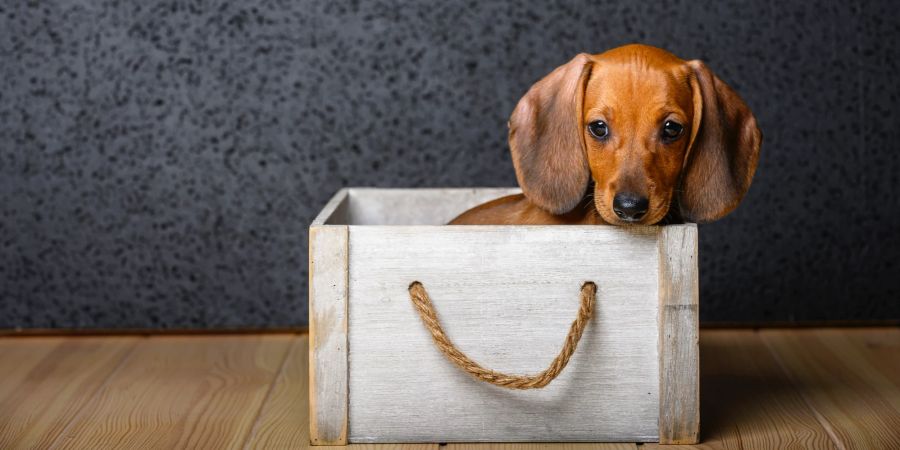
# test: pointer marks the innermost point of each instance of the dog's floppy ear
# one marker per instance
(547, 141)
(723, 151)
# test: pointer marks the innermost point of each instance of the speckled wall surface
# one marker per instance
(160, 162)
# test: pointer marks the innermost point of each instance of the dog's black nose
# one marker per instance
(630, 207)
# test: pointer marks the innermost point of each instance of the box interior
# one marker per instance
(374, 206)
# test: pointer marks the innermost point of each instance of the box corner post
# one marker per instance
(328, 346)
(679, 352)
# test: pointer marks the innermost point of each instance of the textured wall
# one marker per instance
(160, 162)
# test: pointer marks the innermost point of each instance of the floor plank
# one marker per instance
(880, 346)
(56, 388)
(181, 392)
(747, 401)
(767, 389)
(542, 446)
(283, 419)
(855, 399)
(18, 356)
(379, 447)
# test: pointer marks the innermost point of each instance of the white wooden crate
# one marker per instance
(506, 296)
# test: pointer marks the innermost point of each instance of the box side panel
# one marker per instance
(328, 334)
(506, 296)
(373, 206)
(679, 351)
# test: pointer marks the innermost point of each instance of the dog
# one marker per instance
(633, 135)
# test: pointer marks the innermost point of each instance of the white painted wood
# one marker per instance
(375, 206)
(328, 334)
(336, 211)
(679, 354)
(506, 296)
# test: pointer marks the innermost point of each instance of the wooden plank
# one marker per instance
(747, 401)
(853, 399)
(488, 446)
(328, 334)
(283, 419)
(384, 447)
(336, 211)
(181, 392)
(54, 390)
(880, 347)
(392, 206)
(679, 322)
(18, 356)
(542, 446)
(877, 364)
(381, 447)
(422, 206)
(506, 296)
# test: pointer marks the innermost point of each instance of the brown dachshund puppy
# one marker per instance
(631, 136)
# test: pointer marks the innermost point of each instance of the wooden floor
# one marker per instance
(799, 388)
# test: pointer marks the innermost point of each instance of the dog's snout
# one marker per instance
(629, 206)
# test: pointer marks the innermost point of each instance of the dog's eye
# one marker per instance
(672, 130)
(598, 129)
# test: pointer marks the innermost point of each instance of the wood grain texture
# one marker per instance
(328, 334)
(880, 347)
(542, 446)
(18, 356)
(679, 326)
(384, 447)
(336, 211)
(422, 206)
(506, 297)
(747, 401)
(283, 419)
(181, 392)
(389, 446)
(856, 401)
(52, 391)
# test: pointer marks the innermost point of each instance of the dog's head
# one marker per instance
(653, 131)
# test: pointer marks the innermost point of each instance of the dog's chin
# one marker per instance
(651, 218)
(624, 223)
(655, 216)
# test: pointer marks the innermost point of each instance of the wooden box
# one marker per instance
(506, 296)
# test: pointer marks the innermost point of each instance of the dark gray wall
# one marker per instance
(160, 162)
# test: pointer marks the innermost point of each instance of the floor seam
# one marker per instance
(61, 436)
(823, 422)
(255, 427)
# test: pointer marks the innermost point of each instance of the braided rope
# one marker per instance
(420, 300)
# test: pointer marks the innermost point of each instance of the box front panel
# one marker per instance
(506, 296)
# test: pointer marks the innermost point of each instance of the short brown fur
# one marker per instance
(570, 177)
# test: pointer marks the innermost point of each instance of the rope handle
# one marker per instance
(420, 300)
